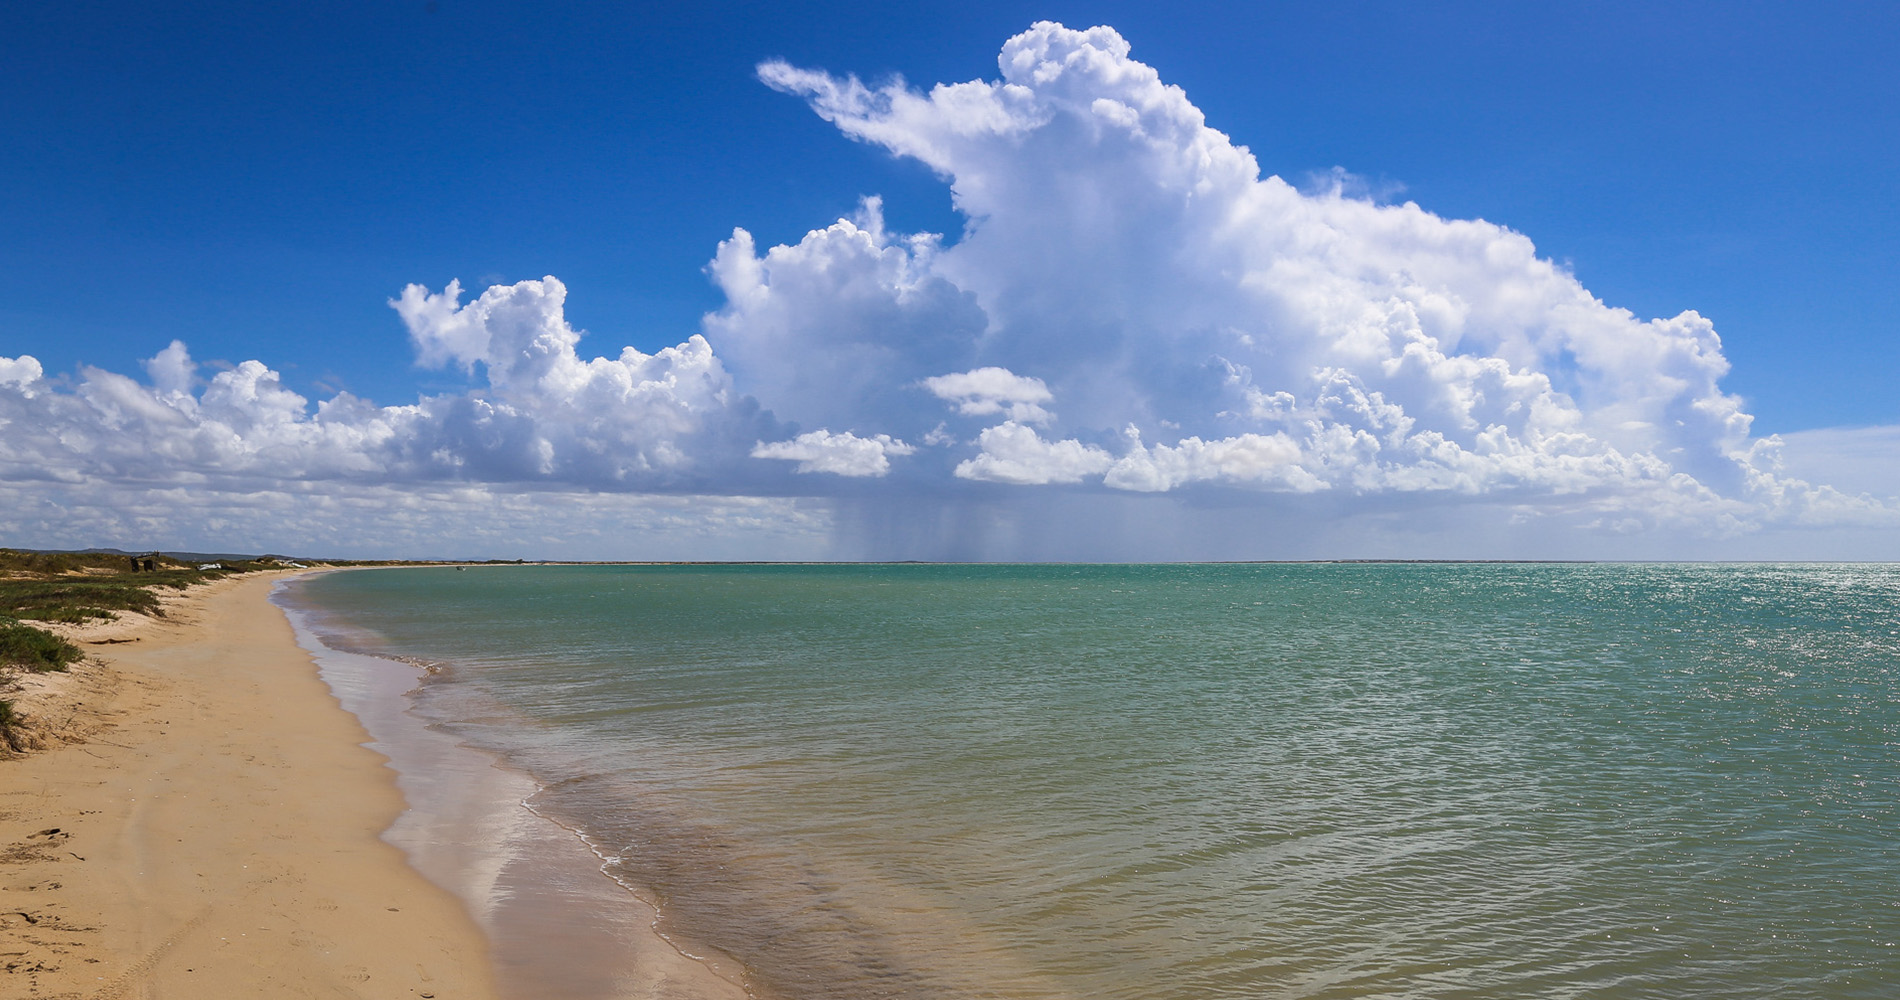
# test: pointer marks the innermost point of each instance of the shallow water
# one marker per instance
(1252, 781)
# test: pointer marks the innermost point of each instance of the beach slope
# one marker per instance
(214, 831)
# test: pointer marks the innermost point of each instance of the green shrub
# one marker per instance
(9, 723)
(79, 587)
(35, 649)
(78, 598)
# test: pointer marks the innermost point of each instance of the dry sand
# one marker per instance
(205, 823)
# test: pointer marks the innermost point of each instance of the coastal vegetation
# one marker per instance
(76, 587)
(9, 727)
(35, 649)
(31, 650)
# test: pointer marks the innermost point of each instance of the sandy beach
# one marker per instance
(209, 826)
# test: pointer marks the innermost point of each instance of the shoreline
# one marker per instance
(211, 824)
(558, 926)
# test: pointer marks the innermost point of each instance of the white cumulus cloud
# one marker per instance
(838, 328)
(1015, 453)
(669, 420)
(843, 454)
(982, 392)
(20, 373)
(1260, 458)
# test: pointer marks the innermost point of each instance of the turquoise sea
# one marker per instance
(1201, 781)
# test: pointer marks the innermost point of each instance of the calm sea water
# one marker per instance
(1207, 781)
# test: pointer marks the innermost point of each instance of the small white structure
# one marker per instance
(210, 565)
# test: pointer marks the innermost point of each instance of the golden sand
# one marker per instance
(203, 822)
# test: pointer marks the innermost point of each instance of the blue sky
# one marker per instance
(258, 181)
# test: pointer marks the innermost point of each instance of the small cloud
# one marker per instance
(983, 392)
(843, 454)
(21, 372)
(1015, 454)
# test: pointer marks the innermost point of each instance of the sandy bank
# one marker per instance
(215, 831)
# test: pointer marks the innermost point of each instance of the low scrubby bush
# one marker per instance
(9, 728)
(35, 649)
